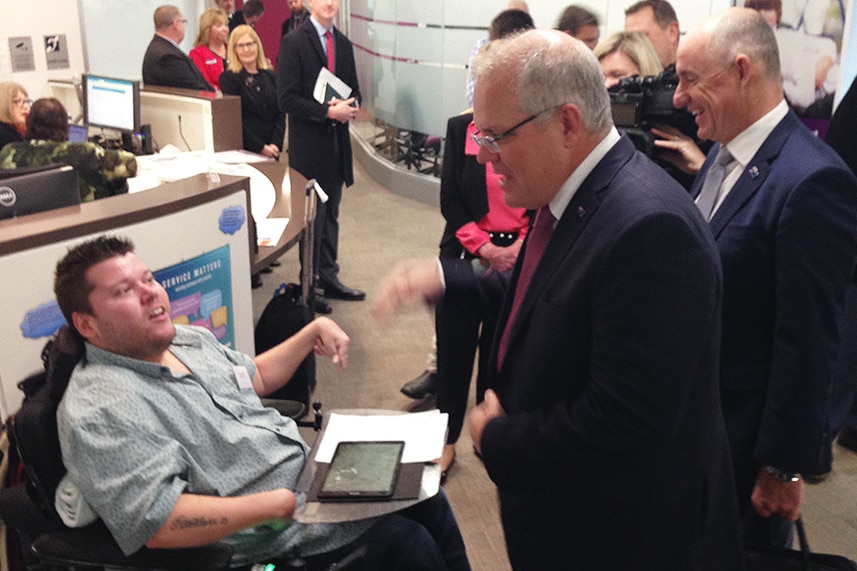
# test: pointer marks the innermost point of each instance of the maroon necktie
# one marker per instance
(328, 37)
(537, 240)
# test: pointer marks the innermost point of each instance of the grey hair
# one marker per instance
(551, 69)
(745, 31)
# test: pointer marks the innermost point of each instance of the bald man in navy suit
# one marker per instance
(784, 215)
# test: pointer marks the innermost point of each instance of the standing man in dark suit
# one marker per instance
(293, 22)
(783, 210)
(603, 432)
(165, 63)
(319, 142)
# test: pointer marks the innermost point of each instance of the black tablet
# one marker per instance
(362, 471)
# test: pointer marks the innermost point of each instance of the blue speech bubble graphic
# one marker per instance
(232, 219)
(42, 321)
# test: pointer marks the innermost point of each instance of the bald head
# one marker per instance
(170, 22)
(729, 73)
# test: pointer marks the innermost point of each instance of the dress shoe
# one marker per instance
(848, 439)
(421, 386)
(321, 305)
(337, 290)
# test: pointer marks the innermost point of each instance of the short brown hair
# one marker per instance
(48, 120)
(776, 5)
(662, 10)
(575, 17)
(71, 287)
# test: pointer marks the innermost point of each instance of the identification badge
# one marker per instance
(243, 377)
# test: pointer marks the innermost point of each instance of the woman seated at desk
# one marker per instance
(100, 172)
(14, 108)
(250, 77)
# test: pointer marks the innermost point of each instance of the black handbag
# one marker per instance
(767, 558)
(284, 316)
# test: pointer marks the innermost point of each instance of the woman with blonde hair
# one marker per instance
(249, 76)
(624, 54)
(210, 50)
(14, 108)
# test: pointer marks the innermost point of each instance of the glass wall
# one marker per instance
(412, 68)
(412, 60)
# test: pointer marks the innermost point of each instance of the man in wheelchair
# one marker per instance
(163, 433)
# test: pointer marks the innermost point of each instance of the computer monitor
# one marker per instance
(77, 133)
(37, 189)
(111, 103)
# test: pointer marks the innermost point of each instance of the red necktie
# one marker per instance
(537, 240)
(330, 55)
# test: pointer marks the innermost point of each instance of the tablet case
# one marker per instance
(407, 484)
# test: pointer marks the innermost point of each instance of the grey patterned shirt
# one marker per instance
(135, 436)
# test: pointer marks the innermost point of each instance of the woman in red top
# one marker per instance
(209, 52)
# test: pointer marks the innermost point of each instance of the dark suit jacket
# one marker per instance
(8, 134)
(843, 125)
(787, 236)
(313, 138)
(612, 454)
(292, 23)
(165, 64)
(261, 119)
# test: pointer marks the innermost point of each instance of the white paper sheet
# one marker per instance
(325, 78)
(424, 433)
(270, 230)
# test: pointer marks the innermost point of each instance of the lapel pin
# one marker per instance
(581, 212)
(754, 171)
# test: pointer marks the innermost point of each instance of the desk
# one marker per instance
(335, 512)
(270, 195)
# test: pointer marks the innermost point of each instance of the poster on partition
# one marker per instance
(200, 291)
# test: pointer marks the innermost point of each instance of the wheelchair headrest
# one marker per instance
(60, 356)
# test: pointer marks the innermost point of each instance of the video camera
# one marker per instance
(638, 103)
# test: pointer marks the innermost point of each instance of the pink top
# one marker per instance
(209, 63)
(500, 218)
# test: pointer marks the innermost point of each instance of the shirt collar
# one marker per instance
(573, 182)
(168, 39)
(319, 29)
(747, 143)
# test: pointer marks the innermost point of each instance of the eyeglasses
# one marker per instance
(22, 102)
(492, 143)
(245, 46)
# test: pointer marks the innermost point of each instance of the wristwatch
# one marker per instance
(784, 477)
